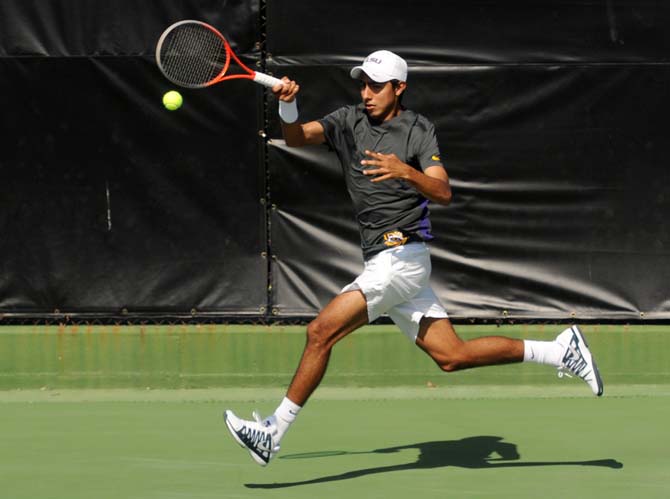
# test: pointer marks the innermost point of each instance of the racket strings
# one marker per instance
(192, 55)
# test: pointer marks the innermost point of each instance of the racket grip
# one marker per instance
(267, 80)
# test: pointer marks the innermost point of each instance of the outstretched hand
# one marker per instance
(387, 166)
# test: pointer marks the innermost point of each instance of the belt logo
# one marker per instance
(394, 238)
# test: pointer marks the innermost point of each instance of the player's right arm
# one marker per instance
(297, 134)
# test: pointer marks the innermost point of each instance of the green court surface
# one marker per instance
(135, 412)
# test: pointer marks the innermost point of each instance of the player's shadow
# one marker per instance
(472, 452)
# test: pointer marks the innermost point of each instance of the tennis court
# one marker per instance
(135, 412)
(156, 172)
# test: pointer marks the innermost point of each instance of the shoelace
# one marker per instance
(258, 419)
(266, 424)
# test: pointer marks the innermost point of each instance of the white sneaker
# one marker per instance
(258, 436)
(577, 359)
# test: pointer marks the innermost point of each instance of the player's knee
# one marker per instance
(449, 358)
(451, 362)
(317, 335)
(450, 366)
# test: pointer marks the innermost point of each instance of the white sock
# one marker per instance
(542, 352)
(285, 415)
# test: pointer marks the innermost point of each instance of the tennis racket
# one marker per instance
(193, 54)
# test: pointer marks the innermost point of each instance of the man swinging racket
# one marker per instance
(392, 169)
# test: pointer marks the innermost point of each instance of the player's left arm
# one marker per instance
(433, 182)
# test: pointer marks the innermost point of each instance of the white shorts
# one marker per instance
(396, 281)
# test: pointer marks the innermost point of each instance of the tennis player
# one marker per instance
(393, 169)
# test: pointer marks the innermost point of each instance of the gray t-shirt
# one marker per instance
(392, 212)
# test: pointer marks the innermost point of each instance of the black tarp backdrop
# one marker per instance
(82, 116)
(551, 117)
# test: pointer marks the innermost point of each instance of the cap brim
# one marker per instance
(356, 73)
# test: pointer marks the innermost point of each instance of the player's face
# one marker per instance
(382, 100)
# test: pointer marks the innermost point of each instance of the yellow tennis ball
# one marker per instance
(172, 100)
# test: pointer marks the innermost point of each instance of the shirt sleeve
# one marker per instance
(333, 124)
(428, 151)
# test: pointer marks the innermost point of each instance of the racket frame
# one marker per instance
(250, 74)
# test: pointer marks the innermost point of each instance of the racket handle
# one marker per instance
(267, 80)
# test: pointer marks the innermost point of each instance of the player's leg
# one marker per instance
(439, 340)
(569, 352)
(425, 322)
(344, 314)
(423, 319)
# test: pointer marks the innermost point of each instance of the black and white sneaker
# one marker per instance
(577, 359)
(258, 436)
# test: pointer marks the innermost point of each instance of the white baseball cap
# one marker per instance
(382, 66)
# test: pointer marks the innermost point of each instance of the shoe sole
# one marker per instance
(232, 431)
(582, 339)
